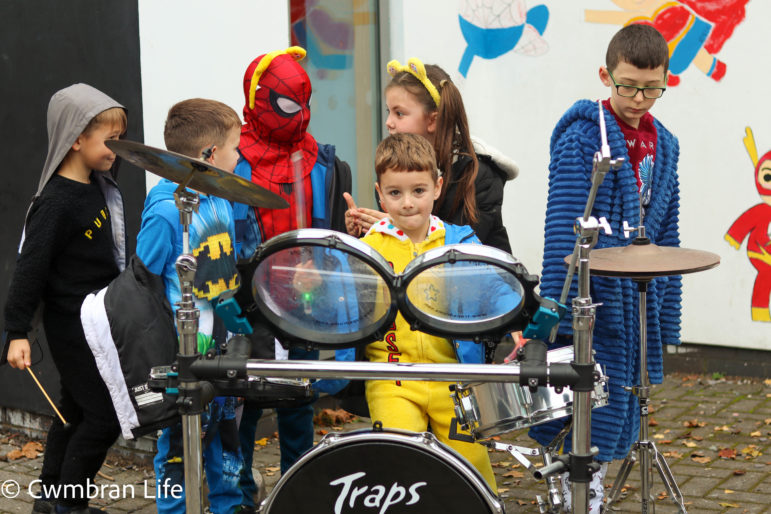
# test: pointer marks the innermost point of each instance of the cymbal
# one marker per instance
(639, 261)
(206, 178)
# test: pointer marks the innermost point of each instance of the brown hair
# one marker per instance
(452, 137)
(114, 117)
(640, 45)
(405, 152)
(194, 124)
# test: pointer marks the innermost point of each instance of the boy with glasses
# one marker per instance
(637, 60)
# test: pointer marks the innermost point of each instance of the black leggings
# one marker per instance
(74, 454)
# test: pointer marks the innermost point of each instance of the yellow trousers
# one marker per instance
(413, 405)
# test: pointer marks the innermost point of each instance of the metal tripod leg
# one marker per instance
(667, 477)
(657, 459)
(643, 448)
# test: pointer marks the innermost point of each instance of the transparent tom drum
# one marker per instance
(323, 287)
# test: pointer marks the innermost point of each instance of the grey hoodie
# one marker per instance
(69, 112)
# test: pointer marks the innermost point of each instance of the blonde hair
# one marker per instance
(197, 123)
(405, 152)
(113, 117)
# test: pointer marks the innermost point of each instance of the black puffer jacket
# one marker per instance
(494, 170)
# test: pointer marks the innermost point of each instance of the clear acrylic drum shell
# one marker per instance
(353, 302)
(467, 291)
(494, 408)
(435, 476)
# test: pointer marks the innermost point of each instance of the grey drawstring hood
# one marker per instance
(69, 112)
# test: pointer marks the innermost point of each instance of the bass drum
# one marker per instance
(381, 471)
(323, 287)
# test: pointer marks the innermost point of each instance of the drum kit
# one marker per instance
(457, 291)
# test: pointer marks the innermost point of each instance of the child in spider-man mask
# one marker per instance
(279, 154)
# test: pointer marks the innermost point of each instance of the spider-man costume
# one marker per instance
(276, 116)
(276, 120)
(753, 224)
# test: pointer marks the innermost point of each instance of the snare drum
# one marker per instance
(381, 471)
(494, 408)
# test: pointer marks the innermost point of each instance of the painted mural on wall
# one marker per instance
(327, 38)
(695, 29)
(492, 28)
(754, 224)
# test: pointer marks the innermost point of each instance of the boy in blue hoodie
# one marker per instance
(210, 130)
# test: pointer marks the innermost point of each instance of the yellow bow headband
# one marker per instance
(415, 67)
(295, 52)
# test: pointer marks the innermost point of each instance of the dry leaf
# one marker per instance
(15, 454)
(739, 472)
(659, 436)
(691, 444)
(749, 452)
(727, 453)
(728, 491)
(653, 423)
(662, 495)
(729, 505)
(757, 433)
(333, 417)
(767, 381)
(694, 423)
(262, 442)
(322, 432)
(502, 490)
(666, 441)
(514, 474)
(272, 469)
(724, 428)
(700, 460)
(673, 454)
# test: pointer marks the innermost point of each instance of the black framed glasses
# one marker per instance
(631, 91)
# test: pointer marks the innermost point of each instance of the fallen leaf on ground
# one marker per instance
(727, 453)
(514, 474)
(333, 417)
(757, 433)
(749, 452)
(14, 454)
(728, 491)
(729, 505)
(694, 423)
(739, 472)
(690, 444)
(262, 442)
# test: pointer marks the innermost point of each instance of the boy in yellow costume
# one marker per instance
(408, 183)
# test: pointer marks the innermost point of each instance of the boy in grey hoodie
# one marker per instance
(73, 243)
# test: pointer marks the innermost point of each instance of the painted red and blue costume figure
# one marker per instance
(753, 225)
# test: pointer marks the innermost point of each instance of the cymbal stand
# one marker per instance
(187, 326)
(644, 448)
(580, 461)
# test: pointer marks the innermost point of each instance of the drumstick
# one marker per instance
(64, 421)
